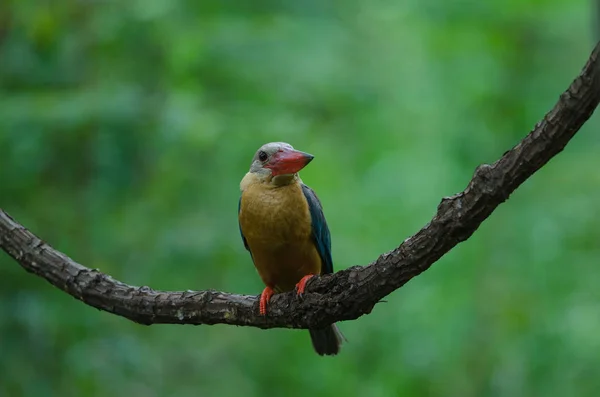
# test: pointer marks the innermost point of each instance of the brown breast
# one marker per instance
(277, 226)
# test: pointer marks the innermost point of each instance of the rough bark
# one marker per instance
(347, 294)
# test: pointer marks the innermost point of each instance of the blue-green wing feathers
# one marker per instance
(320, 230)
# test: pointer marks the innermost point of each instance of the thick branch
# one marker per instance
(347, 294)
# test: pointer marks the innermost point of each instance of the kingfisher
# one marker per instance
(283, 227)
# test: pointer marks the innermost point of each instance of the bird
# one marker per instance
(282, 225)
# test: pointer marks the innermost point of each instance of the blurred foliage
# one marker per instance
(125, 128)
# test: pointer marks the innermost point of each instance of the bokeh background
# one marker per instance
(125, 128)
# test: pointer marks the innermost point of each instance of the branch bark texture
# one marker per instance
(347, 294)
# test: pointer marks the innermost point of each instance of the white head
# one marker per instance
(279, 161)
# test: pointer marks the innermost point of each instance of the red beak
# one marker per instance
(288, 161)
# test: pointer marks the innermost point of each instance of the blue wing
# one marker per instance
(240, 226)
(320, 230)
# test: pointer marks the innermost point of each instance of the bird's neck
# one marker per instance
(283, 180)
(253, 178)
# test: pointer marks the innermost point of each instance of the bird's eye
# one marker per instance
(262, 156)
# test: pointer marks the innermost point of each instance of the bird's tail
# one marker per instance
(327, 341)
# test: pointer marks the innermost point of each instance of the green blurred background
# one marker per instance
(125, 128)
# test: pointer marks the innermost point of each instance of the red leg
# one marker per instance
(301, 286)
(265, 297)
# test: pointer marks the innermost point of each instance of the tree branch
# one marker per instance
(347, 294)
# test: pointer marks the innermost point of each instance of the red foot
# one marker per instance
(301, 286)
(265, 297)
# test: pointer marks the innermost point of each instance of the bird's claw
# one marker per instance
(265, 297)
(301, 286)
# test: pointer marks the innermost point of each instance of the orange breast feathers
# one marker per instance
(276, 222)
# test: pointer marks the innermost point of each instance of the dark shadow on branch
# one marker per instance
(347, 294)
